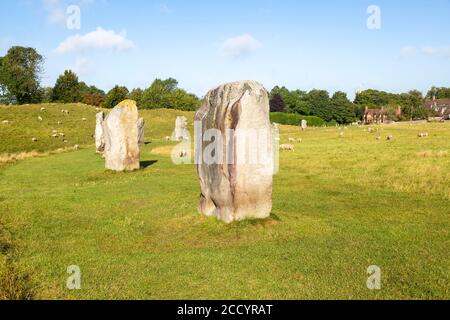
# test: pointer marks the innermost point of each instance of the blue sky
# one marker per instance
(202, 43)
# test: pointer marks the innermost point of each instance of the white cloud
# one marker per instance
(98, 39)
(408, 51)
(240, 46)
(430, 51)
(436, 51)
(55, 11)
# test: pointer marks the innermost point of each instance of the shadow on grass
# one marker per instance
(146, 164)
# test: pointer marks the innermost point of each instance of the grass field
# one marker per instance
(341, 204)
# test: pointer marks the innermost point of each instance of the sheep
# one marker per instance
(287, 147)
(40, 118)
(390, 138)
(183, 154)
(5, 122)
(42, 109)
(34, 139)
(76, 147)
(291, 140)
(423, 135)
(341, 134)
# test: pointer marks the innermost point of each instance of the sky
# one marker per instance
(391, 45)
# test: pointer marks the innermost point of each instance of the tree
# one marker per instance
(47, 94)
(342, 109)
(136, 95)
(373, 98)
(439, 93)
(20, 71)
(115, 96)
(67, 89)
(166, 94)
(319, 101)
(277, 104)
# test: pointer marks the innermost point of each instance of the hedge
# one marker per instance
(294, 119)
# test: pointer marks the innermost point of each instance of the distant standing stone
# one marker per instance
(141, 130)
(241, 190)
(304, 124)
(121, 137)
(99, 136)
(181, 132)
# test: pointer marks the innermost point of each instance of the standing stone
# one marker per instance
(233, 189)
(304, 124)
(181, 132)
(99, 137)
(121, 137)
(141, 131)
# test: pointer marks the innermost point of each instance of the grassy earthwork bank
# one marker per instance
(342, 202)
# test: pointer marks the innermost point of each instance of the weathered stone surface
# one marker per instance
(235, 190)
(304, 124)
(181, 132)
(141, 130)
(121, 137)
(99, 136)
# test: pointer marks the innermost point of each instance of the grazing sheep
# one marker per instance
(40, 118)
(183, 154)
(379, 138)
(55, 135)
(34, 139)
(423, 135)
(62, 134)
(42, 109)
(5, 122)
(341, 134)
(370, 130)
(167, 138)
(287, 147)
(300, 140)
(76, 147)
(390, 138)
(83, 119)
(291, 140)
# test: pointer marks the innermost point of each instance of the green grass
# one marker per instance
(341, 204)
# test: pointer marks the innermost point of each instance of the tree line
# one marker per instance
(21, 68)
(338, 108)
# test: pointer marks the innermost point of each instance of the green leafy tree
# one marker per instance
(320, 104)
(115, 96)
(343, 111)
(439, 93)
(277, 103)
(136, 95)
(166, 94)
(67, 88)
(20, 71)
(47, 94)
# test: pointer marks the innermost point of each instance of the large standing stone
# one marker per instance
(141, 131)
(99, 137)
(181, 131)
(121, 137)
(237, 188)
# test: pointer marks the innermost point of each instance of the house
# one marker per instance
(440, 108)
(374, 116)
